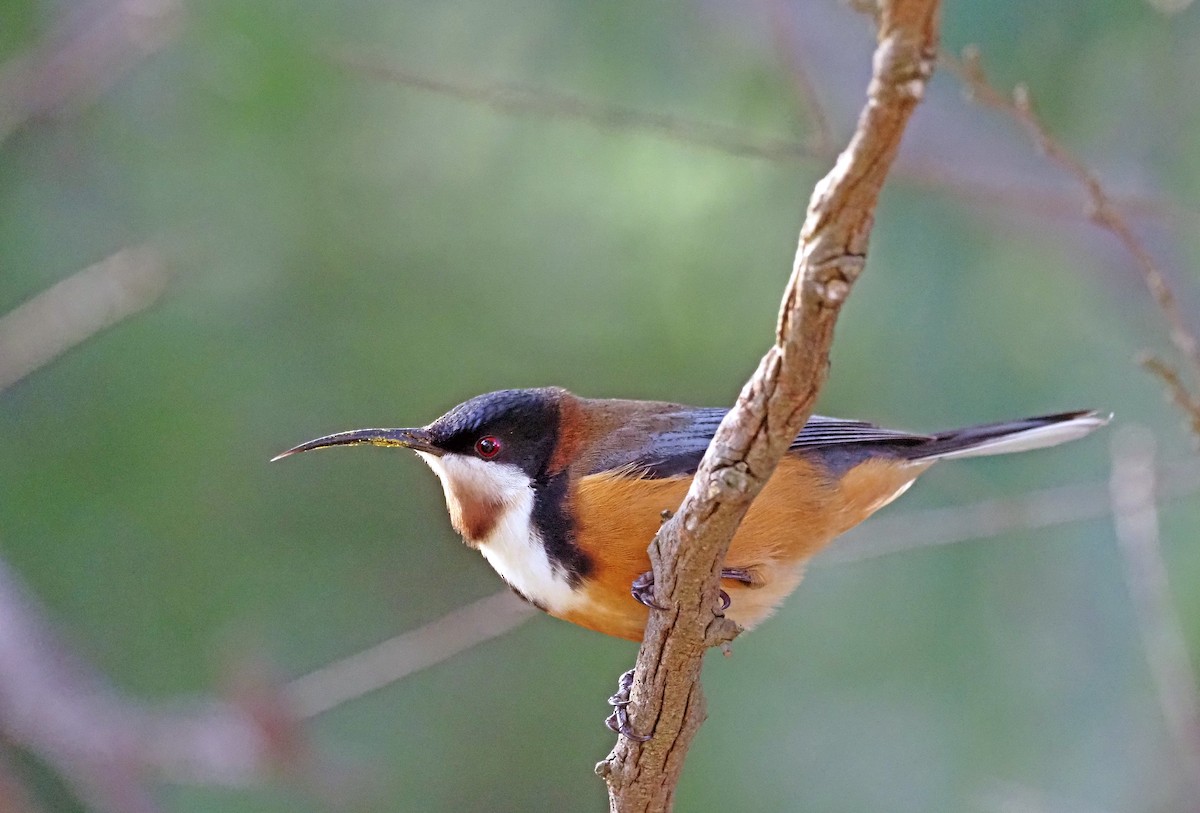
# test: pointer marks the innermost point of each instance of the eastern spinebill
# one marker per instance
(563, 494)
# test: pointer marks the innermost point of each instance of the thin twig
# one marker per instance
(1102, 210)
(512, 99)
(46, 326)
(1037, 202)
(364, 672)
(1177, 391)
(687, 553)
(1135, 518)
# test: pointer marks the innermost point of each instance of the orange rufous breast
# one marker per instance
(798, 512)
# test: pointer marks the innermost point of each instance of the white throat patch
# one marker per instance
(511, 544)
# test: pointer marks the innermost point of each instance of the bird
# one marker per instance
(563, 494)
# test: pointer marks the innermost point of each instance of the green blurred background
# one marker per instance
(350, 252)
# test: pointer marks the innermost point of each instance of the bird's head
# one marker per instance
(489, 452)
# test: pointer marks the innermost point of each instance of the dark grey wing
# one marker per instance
(671, 448)
(676, 452)
(821, 431)
(841, 445)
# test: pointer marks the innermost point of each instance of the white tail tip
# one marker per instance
(1025, 440)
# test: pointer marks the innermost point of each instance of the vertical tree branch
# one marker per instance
(771, 409)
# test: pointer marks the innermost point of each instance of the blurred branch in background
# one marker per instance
(1041, 202)
(1043, 508)
(1169, 7)
(781, 19)
(1104, 212)
(86, 54)
(107, 745)
(385, 663)
(1135, 518)
(14, 797)
(46, 326)
(1011, 797)
(516, 100)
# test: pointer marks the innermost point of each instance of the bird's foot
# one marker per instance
(748, 577)
(642, 588)
(618, 721)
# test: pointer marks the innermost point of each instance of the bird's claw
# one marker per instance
(642, 589)
(618, 721)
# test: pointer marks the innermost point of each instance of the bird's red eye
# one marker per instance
(487, 447)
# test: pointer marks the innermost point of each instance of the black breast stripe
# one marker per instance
(557, 531)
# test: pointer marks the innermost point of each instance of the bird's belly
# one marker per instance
(798, 513)
(516, 552)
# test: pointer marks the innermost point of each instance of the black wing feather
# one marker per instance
(821, 431)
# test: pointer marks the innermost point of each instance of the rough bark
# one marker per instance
(687, 553)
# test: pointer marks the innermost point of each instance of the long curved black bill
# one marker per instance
(416, 439)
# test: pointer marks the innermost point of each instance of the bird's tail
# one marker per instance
(1010, 436)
